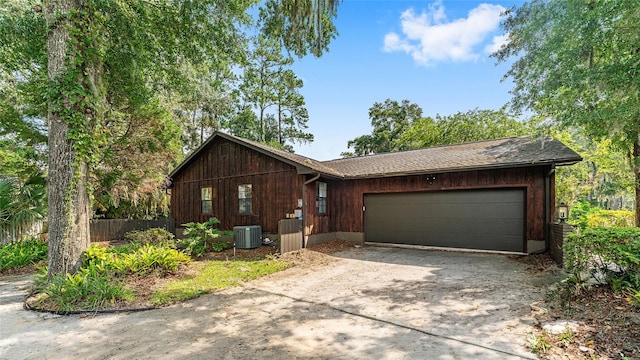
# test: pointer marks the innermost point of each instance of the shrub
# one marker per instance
(200, 236)
(585, 216)
(89, 288)
(140, 261)
(607, 254)
(100, 280)
(154, 236)
(22, 253)
(610, 218)
(149, 258)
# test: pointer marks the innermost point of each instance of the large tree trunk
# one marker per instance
(67, 181)
(636, 171)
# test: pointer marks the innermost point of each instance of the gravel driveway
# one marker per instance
(371, 302)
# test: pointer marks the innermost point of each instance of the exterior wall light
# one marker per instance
(563, 212)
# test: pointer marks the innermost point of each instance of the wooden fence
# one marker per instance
(11, 234)
(114, 229)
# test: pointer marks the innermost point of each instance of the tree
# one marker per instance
(603, 179)
(272, 90)
(129, 180)
(389, 120)
(261, 78)
(398, 127)
(291, 113)
(577, 64)
(206, 103)
(473, 125)
(93, 63)
(300, 26)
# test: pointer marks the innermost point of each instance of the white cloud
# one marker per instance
(496, 43)
(430, 38)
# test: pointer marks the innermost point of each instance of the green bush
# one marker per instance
(149, 258)
(22, 253)
(139, 261)
(100, 280)
(608, 254)
(610, 218)
(88, 289)
(202, 237)
(154, 236)
(584, 216)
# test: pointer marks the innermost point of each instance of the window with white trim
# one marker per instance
(206, 198)
(321, 198)
(244, 199)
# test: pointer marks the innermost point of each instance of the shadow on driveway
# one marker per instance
(370, 302)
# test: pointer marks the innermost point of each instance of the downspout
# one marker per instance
(547, 204)
(304, 205)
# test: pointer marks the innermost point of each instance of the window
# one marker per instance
(321, 198)
(244, 199)
(224, 150)
(206, 199)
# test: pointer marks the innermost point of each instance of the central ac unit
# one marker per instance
(247, 237)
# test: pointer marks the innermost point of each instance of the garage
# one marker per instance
(487, 219)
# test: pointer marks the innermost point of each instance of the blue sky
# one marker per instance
(432, 53)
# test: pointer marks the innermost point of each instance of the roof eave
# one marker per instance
(555, 162)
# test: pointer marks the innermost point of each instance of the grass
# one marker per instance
(215, 275)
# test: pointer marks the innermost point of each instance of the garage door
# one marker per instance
(472, 219)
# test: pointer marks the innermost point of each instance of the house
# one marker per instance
(490, 195)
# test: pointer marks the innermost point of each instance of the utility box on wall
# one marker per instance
(247, 237)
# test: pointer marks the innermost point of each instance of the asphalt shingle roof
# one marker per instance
(500, 153)
(491, 154)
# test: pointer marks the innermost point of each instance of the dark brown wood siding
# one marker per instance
(224, 165)
(346, 198)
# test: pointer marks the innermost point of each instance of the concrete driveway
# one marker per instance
(369, 303)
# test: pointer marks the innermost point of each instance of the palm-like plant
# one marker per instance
(21, 205)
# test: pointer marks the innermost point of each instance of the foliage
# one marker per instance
(22, 253)
(610, 218)
(100, 281)
(155, 236)
(585, 216)
(21, 204)
(88, 289)
(213, 275)
(577, 66)
(398, 127)
(220, 246)
(130, 178)
(102, 80)
(20, 159)
(538, 344)
(300, 26)
(473, 125)
(272, 90)
(389, 121)
(140, 260)
(604, 178)
(610, 255)
(207, 104)
(200, 236)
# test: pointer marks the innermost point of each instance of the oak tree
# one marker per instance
(577, 63)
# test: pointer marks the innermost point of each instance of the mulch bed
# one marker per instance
(609, 324)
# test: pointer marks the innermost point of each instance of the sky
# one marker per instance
(434, 53)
